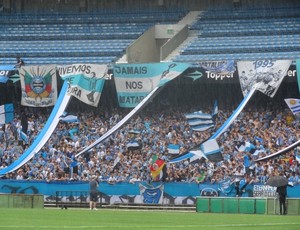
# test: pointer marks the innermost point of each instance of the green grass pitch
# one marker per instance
(72, 218)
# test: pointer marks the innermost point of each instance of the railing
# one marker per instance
(79, 199)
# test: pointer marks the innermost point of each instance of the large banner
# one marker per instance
(168, 193)
(265, 75)
(86, 81)
(38, 85)
(135, 81)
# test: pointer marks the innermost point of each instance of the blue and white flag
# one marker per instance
(133, 144)
(199, 121)
(208, 149)
(294, 105)
(23, 136)
(246, 147)
(69, 118)
(215, 110)
(6, 113)
(202, 121)
(173, 149)
(198, 155)
(86, 81)
(134, 132)
(211, 150)
(135, 81)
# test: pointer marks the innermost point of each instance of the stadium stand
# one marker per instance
(245, 34)
(100, 37)
(104, 35)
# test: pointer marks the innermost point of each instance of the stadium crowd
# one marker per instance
(267, 129)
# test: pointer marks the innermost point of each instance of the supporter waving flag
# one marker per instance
(6, 113)
(200, 121)
(173, 148)
(69, 118)
(215, 110)
(156, 167)
(294, 105)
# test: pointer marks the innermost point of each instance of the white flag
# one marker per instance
(265, 75)
(294, 105)
(39, 86)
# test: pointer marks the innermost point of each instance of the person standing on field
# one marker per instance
(93, 192)
(282, 192)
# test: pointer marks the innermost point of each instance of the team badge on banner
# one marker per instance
(135, 81)
(152, 195)
(265, 75)
(86, 81)
(39, 86)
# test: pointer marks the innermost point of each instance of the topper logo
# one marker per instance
(218, 76)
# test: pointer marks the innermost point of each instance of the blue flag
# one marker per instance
(6, 113)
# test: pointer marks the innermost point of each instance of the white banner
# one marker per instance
(86, 81)
(38, 85)
(265, 75)
(135, 81)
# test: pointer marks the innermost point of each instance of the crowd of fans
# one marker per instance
(267, 129)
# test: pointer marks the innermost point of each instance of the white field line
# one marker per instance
(285, 224)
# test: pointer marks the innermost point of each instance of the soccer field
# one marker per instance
(12, 218)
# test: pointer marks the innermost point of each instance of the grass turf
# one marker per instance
(13, 218)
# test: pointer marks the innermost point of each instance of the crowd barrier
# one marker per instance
(21, 201)
(244, 205)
